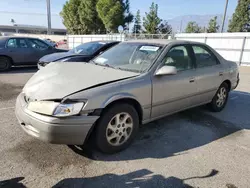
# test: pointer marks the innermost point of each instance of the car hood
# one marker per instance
(56, 56)
(61, 79)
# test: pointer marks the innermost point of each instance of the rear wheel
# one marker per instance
(116, 128)
(5, 63)
(220, 99)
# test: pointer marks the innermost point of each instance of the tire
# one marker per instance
(5, 63)
(218, 104)
(116, 128)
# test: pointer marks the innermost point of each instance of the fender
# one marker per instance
(118, 97)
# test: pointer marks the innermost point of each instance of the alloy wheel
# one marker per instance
(221, 97)
(119, 129)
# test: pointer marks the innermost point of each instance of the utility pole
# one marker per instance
(49, 17)
(181, 26)
(224, 17)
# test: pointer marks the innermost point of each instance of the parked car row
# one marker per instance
(82, 53)
(132, 83)
(18, 51)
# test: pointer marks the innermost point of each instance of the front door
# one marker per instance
(173, 93)
(19, 51)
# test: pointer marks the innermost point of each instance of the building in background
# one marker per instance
(29, 29)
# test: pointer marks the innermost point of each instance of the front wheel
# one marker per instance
(220, 99)
(116, 128)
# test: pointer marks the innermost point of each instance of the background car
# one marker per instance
(62, 42)
(50, 42)
(82, 53)
(23, 51)
(133, 83)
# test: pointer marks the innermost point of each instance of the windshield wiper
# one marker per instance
(103, 65)
(129, 70)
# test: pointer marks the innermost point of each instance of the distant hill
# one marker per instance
(180, 22)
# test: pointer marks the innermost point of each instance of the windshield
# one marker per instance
(135, 57)
(87, 48)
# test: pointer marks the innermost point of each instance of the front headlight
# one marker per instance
(63, 110)
(55, 108)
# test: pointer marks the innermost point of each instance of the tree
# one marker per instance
(112, 14)
(137, 23)
(89, 19)
(128, 16)
(152, 21)
(164, 28)
(193, 27)
(71, 18)
(213, 26)
(240, 21)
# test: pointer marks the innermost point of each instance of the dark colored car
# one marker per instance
(50, 42)
(15, 51)
(82, 53)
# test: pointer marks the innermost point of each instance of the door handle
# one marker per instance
(221, 74)
(191, 80)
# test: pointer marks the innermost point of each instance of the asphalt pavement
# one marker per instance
(194, 148)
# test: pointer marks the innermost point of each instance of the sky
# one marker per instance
(33, 12)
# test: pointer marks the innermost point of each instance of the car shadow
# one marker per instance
(12, 183)
(175, 134)
(141, 178)
(20, 70)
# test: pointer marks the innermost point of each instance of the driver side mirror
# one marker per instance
(166, 70)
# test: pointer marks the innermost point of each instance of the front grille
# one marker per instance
(28, 99)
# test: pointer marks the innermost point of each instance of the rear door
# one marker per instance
(209, 73)
(19, 51)
(39, 49)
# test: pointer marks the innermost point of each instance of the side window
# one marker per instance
(204, 58)
(21, 43)
(12, 43)
(37, 44)
(178, 57)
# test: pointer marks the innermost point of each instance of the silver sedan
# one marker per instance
(134, 83)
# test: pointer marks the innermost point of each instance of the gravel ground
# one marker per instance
(194, 148)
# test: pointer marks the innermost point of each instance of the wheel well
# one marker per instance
(228, 83)
(8, 58)
(130, 101)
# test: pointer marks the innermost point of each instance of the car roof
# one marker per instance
(163, 42)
